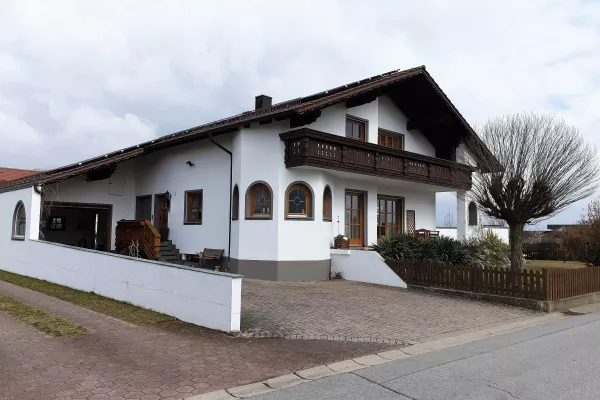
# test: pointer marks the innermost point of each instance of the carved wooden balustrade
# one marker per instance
(142, 232)
(307, 147)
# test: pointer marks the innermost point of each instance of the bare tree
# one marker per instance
(449, 219)
(531, 167)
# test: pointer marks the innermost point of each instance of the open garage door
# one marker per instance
(78, 224)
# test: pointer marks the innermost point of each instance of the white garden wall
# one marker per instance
(206, 298)
(499, 231)
(364, 266)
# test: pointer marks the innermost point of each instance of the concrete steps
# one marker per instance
(169, 253)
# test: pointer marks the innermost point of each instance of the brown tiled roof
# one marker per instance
(282, 110)
(12, 174)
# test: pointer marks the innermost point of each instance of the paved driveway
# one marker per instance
(363, 312)
(117, 360)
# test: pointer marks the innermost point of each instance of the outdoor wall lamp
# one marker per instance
(168, 198)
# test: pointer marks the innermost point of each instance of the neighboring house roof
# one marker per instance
(12, 174)
(564, 226)
(413, 90)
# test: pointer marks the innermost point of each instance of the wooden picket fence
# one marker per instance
(565, 283)
(546, 285)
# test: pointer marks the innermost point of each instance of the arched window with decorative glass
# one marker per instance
(259, 201)
(298, 201)
(327, 204)
(19, 222)
(235, 203)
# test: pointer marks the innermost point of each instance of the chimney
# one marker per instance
(262, 101)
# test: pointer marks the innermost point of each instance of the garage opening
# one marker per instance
(78, 224)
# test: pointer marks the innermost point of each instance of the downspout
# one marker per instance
(210, 137)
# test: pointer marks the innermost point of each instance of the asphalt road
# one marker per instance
(557, 360)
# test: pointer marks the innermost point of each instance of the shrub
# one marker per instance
(409, 247)
(489, 251)
(398, 247)
(448, 250)
(583, 243)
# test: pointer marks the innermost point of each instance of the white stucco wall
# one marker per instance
(157, 173)
(118, 191)
(364, 266)
(380, 113)
(164, 171)
(417, 197)
(200, 297)
(393, 119)
(260, 158)
(284, 239)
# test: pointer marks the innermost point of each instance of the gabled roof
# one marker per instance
(413, 90)
(12, 174)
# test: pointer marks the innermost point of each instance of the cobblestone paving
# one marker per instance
(361, 311)
(117, 360)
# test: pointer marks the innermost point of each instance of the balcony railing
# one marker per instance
(141, 233)
(307, 147)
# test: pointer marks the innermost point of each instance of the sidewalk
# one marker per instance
(555, 359)
(118, 360)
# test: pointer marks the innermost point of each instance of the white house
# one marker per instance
(364, 160)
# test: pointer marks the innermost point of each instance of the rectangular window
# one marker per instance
(355, 129)
(193, 207)
(56, 224)
(389, 216)
(391, 139)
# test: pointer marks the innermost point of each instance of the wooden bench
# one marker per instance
(214, 256)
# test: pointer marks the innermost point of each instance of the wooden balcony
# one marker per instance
(307, 147)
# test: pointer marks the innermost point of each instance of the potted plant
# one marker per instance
(341, 242)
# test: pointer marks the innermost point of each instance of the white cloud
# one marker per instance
(111, 73)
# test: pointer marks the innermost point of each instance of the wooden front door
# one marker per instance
(161, 212)
(355, 216)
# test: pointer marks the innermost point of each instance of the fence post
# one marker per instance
(546, 279)
(430, 275)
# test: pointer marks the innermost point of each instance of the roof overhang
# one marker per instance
(414, 91)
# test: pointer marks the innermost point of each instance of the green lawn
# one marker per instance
(91, 301)
(40, 319)
(539, 264)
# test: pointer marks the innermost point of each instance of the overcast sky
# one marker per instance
(81, 78)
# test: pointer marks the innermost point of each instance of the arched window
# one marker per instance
(298, 199)
(327, 204)
(259, 201)
(235, 203)
(472, 214)
(19, 222)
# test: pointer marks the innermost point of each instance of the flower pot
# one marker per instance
(341, 244)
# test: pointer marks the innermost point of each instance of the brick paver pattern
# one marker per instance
(117, 360)
(357, 310)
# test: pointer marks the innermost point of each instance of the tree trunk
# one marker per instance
(515, 237)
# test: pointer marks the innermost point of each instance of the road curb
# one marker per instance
(310, 374)
(271, 335)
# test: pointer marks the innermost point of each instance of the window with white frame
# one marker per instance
(19, 222)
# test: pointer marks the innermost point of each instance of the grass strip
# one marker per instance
(39, 319)
(117, 309)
